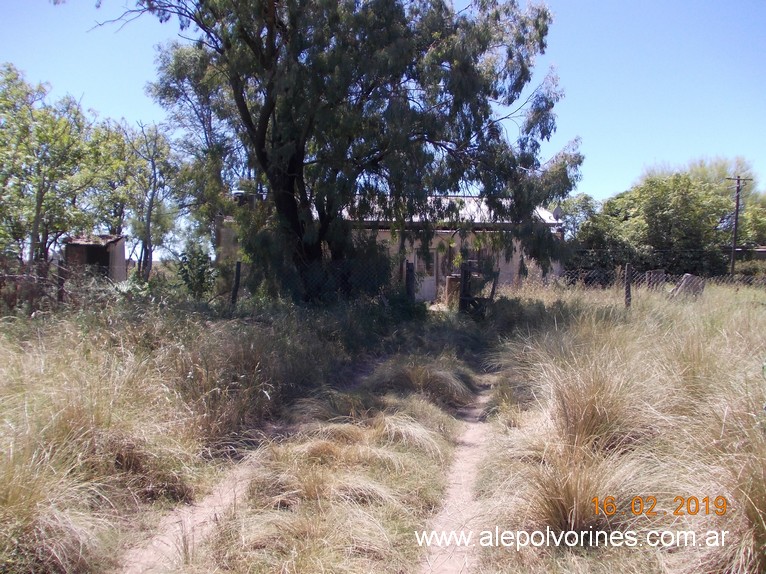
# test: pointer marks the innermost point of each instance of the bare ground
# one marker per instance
(186, 527)
(461, 512)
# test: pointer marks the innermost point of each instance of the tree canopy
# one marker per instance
(681, 221)
(63, 172)
(43, 146)
(354, 110)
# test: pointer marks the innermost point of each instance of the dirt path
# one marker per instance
(183, 529)
(461, 512)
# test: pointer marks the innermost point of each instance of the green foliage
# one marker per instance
(197, 271)
(600, 245)
(675, 222)
(113, 193)
(42, 148)
(753, 222)
(368, 109)
(61, 173)
(193, 92)
(751, 268)
(153, 214)
(575, 211)
(681, 225)
(365, 271)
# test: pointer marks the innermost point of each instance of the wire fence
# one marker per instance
(48, 285)
(654, 279)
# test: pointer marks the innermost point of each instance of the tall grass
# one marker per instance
(665, 399)
(89, 429)
(111, 407)
(341, 496)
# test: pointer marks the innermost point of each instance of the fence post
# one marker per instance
(628, 277)
(409, 280)
(235, 289)
(60, 280)
(465, 287)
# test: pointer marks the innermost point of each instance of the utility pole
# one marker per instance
(739, 181)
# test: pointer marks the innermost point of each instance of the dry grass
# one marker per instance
(665, 400)
(119, 409)
(340, 496)
(109, 409)
(105, 414)
(80, 446)
(444, 380)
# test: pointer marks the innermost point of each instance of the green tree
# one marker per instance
(681, 224)
(115, 166)
(197, 271)
(599, 244)
(153, 200)
(575, 211)
(754, 220)
(672, 222)
(18, 100)
(371, 108)
(193, 91)
(718, 175)
(43, 149)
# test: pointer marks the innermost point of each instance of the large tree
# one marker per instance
(574, 211)
(375, 106)
(111, 199)
(154, 198)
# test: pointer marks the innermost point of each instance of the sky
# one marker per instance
(647, 83)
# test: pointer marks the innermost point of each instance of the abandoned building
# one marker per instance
(448, 246)
(104, 253)
(451, 243)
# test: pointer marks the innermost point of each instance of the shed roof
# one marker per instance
(90, 239)
(470, 209)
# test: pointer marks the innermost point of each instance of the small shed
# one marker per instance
(104, 252)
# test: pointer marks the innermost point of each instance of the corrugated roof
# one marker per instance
(476, 210)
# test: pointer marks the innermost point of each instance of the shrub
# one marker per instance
(197, 271)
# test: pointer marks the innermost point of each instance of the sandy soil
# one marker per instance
(183, 529)
(461, 511)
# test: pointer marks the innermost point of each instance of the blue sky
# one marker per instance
(646, 83)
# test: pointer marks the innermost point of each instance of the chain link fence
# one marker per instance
(43, 286)
(654, 279)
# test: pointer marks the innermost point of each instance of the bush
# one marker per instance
(751, 268)
(197, 272)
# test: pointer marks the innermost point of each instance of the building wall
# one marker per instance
(118, 267)
(110, 258)
(444, 248)
(227, 247)
(75, 255)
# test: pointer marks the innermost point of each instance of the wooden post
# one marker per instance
(235, 289)
(465, 287)
(628, 277)
(409, 280)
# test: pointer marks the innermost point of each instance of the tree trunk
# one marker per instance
(34, 236)
(147, 248)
